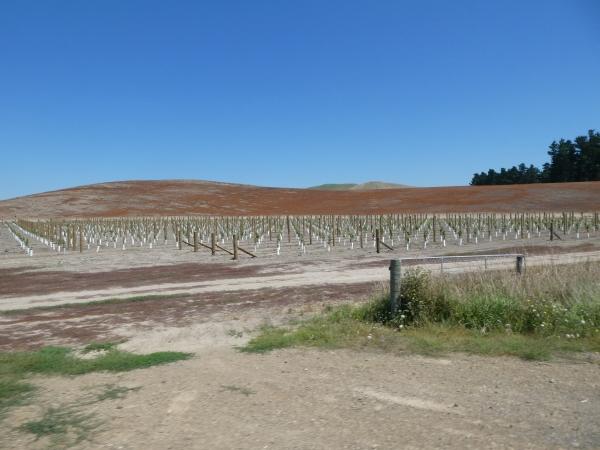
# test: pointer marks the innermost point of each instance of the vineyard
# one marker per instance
(297, 236)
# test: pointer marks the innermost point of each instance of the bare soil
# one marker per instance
(308, 399)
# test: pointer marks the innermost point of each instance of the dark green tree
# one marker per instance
(577, 160)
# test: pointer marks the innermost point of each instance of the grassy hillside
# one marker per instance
(334, 187)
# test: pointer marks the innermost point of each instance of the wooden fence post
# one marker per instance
(213, 244)
(235, 247)
(377, 239)
(395, 279)
(520, 264)
(195, 241)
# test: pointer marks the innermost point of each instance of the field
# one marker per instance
(198, 271)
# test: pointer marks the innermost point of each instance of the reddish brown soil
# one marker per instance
(97, 322)
(22, 282)
(180, 197)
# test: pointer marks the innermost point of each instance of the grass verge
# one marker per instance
(546, 311)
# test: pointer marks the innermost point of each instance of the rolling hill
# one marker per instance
(190, 197)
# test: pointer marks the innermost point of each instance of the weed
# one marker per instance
(112, 392)
(240, 389)
(13, 392)
(99, 347)
(235, 333)
(65, 426)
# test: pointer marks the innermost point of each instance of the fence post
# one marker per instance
(395, 277)
(520, 264)
(195, 241)
(377, 239)
(80, 241)
(213, 247)
(235, 248)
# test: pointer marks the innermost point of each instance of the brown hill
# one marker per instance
(183, 197)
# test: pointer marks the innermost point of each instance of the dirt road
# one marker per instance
(314, 274)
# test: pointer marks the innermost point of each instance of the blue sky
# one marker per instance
(281, 93)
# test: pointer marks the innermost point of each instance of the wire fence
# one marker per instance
(465, 263)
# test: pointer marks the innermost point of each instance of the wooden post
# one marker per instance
(179, 238)
(235, 247)
(360, 231)
(195, 241)
(269, 223)
(213, 243)
(377, 239)
(287, 218)
(395, 278)
(80, 240)
(520, 264)
(333, 233)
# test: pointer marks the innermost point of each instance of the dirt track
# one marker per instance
(180, 197)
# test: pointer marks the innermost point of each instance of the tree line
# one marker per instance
(576, 160)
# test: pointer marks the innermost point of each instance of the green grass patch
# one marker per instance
(322, 332)
(546, 311)
(62, 361)
(13, 392)
(15, 367)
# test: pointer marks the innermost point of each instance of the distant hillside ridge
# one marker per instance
(358, 187)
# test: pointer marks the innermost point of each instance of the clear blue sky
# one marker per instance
(283, 93)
